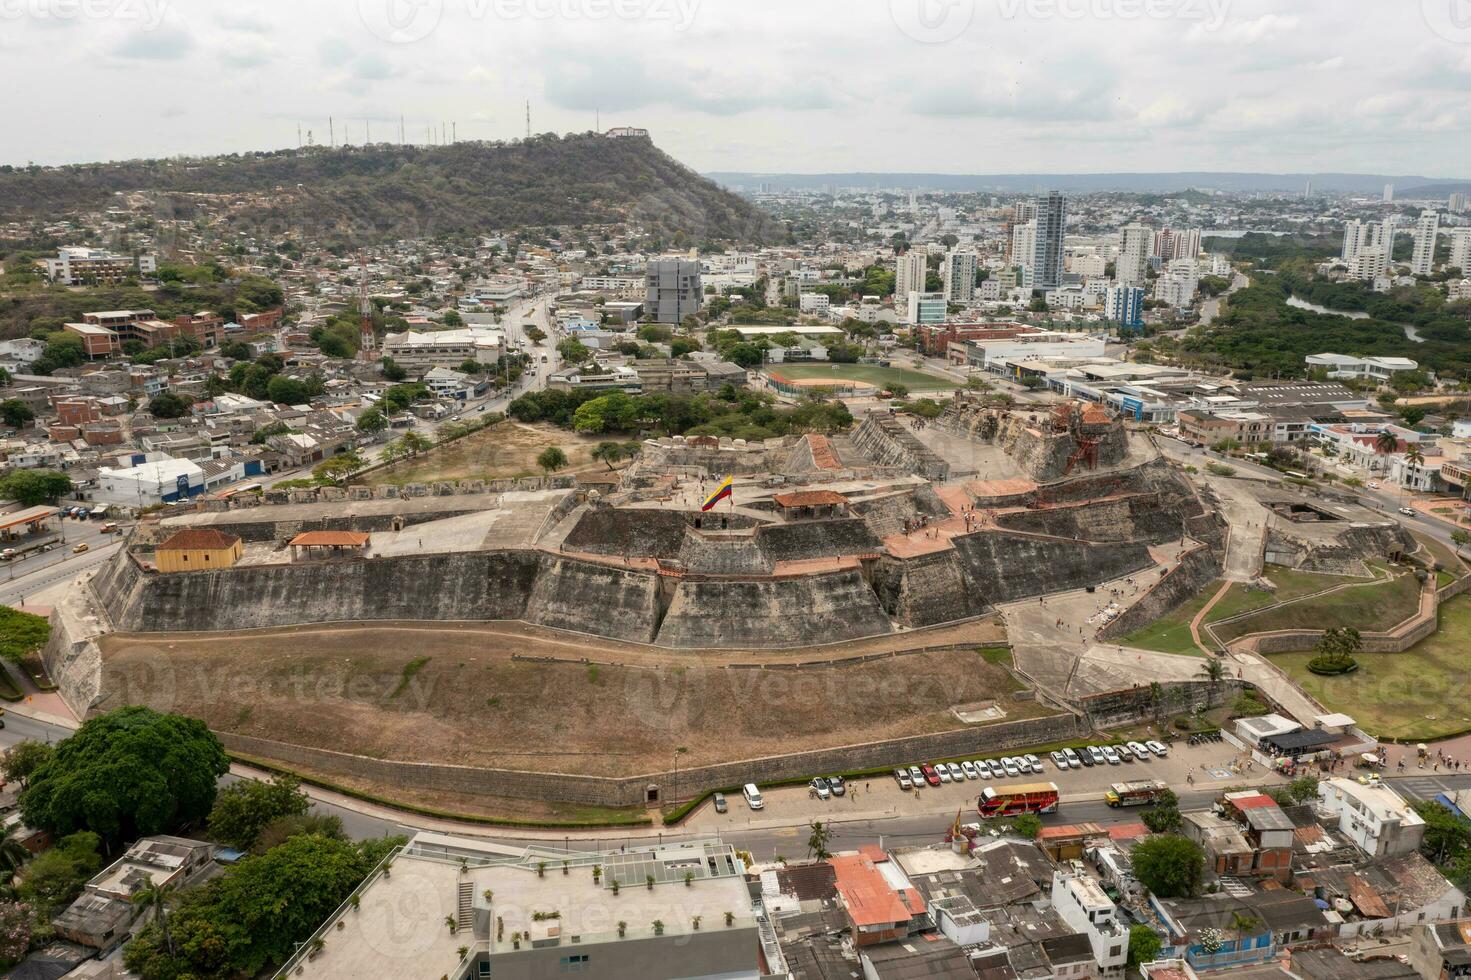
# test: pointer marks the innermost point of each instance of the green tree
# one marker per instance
(1168, 865)
(24, 758)
(1412, 415)
(573, 350)
(243, 809)
(22, 634)
(1447, 834)
(125, 774)
(168, 405)
(608, 453)
(16, 413)
(818, 840)
(1027, 825)
(340, 466)
(17, 919)
(412, 444)
(1213, 671)
(153, 899)
(551, 459)
(13, 853)
(1144, 944)
(286, 391)
(1163, 815)
(372, 422)
(392, 370)
(282, 829)
(54, 878)
(32, 487)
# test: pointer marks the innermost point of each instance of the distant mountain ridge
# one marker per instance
(1137, 183)
(386, 192)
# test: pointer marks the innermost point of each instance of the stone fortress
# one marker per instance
(878, 536)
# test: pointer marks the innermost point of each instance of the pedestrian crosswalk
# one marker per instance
(1428, 787)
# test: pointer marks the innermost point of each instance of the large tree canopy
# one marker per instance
(125, 774)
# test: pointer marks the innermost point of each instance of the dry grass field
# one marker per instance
(503, 451)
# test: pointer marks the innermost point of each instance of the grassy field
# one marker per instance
(1367, 607)
(1421, 694)
(1171, 634)
(503, 451)
(870, 373)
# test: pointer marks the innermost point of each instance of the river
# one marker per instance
(1302, 304)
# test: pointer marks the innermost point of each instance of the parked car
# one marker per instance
(839, 787)
(1158, 748)
(1141, 751)
(753, 796)
(957, 774)
(820, 787)
(1372, 485)
(720, 805)
(1097, 753)
(1009, 765)
(1071, 756)
(1060, 761)
(969, 768)
(1110, 755)
(1087, 758)
(1034, 763)
(943, 772)
(1407, 511)
(7, 554)
(901, 776)
(930, 776)
(916, 776)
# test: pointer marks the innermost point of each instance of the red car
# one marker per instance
(930, 776)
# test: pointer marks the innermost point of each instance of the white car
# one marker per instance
(969, 768)
(1096, 754)
(1372, 485)
(1071, 756)
(943, 771)
(1034, 763)
(1110, 756)
(1010, 766)
(1158, 748)
(1060, 761)
(1141, 751)
(957, 774)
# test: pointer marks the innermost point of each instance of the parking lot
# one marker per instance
(1213, 764)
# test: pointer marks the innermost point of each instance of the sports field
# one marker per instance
(883, 377)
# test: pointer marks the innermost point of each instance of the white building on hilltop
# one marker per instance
(75, 264)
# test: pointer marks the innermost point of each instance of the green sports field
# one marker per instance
(883, 377)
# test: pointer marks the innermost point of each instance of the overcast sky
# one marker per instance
(957, 86)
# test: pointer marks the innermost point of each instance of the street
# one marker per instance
(24, 577)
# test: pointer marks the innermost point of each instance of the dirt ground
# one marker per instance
(456, 695)
(503, 451)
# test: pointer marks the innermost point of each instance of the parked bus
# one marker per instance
(1140, 793)
(1008, 801)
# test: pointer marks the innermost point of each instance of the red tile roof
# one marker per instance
(327, 539)
(198, 539)
(867, 895)
(809, 498)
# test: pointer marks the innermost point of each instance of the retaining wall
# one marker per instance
(1197, 570)
(1114, 708)
(886, 441)
(630, 791)
(1127, 519)
(798, 611)
(927, 590)
(1006, 566)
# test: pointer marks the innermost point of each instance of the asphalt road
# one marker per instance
(24, 577)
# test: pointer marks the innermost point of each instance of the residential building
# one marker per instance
(616, 378)
(102, 917)
(959, 276)
(926, 308)
(1422, 261)
(685, 911)
(1442, 950)
(1460, 257)
(1361, 235)
(674, 374)
(673, 289)
(1376, 818)
(419, 351)
(1088, 266)
(1134, 251)
(1024, 243)
(1047, 254)
(814, 303)
(878, 901)
(1371, 368)
(446, 382)
(1368, 263)
(1178, 285)
(910, 272)
(1124, 305)
(1177, 243)
(1081, 902)
(197, 550)
(622, 285)
(96, 341)
(1459, 203)
(76, 264)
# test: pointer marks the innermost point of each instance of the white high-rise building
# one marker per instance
(1047, 265)
(909, 275)
(1388, 193)
(959, 276)
(1460, 202)
(1387, 240)
(1422, 263)
(1177, 243)
(1178, 285)
(1024, 242)
(1461, 250)
(1359, 235)
(1134, 252)
(1367, 263)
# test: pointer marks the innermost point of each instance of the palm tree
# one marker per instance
(1213, 670)
(12, 852)
(154, 898)
(1386, 442)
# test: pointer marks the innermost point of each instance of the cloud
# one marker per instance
(1268, 27)
(585, 82)
(163, 44)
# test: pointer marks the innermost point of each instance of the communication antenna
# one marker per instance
(454, 132)
(597, 121)
(331, 132)
(367, 133)
(528, 119)
(298, 136)
(400, 129)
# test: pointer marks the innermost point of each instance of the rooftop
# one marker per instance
(200, 539)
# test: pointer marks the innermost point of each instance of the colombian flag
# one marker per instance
(721, 492)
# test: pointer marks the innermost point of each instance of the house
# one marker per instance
(1376, 818)
(1442, 950)
(103, 916)
(197, 549)
(1081, 902)
(879, 902)
(1227, 930)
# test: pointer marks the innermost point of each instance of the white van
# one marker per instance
(753, 796)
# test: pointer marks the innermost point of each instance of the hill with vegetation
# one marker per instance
(386, 192)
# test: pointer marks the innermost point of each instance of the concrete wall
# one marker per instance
(927, 590)
(1005, 566)
(1129, 519)
(629, 791)
(1130, 705)
(598, 599)
(797, 611)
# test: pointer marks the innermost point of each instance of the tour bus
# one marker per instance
(1139, 793)
(1008, 801)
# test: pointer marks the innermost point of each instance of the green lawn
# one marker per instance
(1171, 634)
(1421, 694)
(1367, 607)
(870, 373)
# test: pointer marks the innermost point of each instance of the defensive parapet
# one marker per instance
(884, 439)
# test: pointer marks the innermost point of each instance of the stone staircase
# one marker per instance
(465, 911)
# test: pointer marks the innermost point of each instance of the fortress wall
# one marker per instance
(723, 554)
(1006, 567)
(470, 585)
(1139, 518)
(772, 613)
(118, 583)
(1197, 571)
(642, 533)
(816, 539)
(927, 590)
(886, 515)
(887, 442)
(588, 598)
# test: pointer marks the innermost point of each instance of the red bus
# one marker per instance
(1008, 801)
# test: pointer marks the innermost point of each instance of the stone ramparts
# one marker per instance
(1009, 565)
(885, 440)
(1197, 569)
(787, 612)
